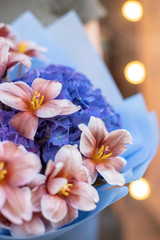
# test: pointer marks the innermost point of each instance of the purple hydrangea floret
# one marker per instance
(53, 133)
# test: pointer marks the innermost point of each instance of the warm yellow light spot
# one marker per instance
(140, 190)
(132, 10)
(100, 155)
(65, 189)
(22, 47)
(3, 171)
(135, 72)
(37, 101)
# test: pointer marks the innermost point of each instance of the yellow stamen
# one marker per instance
(22, 47)
(37, 101)
(100, 156)
(65, 189)
(3, 171)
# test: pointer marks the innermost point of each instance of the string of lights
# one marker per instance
(135, 73)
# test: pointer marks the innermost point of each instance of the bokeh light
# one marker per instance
(140, 190)
(132, 10)
(135, 72)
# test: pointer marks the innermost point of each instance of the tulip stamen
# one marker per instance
(37, 101)
(100, 156)
(65, 189)
(3, 171)
(22, 47)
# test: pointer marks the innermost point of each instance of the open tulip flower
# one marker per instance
(30, 48)
(35, 102)
(101, 151)
(10, 59)
(17, 168)
(64, 192)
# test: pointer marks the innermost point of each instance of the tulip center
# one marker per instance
(3, 171)
(66, 189)
(22, 47)
(37, 101)
(101, 155)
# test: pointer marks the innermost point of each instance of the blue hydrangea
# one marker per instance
(53, 133)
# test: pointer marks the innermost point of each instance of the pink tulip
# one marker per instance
(10, 59)
(4, 56)
(30, 48)
(7, 33)
(101, 151)
(36, 226)
(33, 227)
(35, 102)
(17, 168)
(62, 195)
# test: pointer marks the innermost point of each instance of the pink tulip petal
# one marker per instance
(91, 168)
(111, 175)
(2, 196)
(71, 159)
(25, 123)
(53, 169)
(25, 88)
(4, 222)
(11, 151)
(53, 208)
(33, 227)
(16, 58)
(66, 106)
(38, 180)
(116, 141)
(55, 185)
(49, 168)
(87, 141)
(48, 110)
(118, 163)
(4, 54)
(98, 130)
(1, 152)
(17, 206)
(83, 175)
(37, 196)
(82, 196)
(13, 96)
(23, 169)
(85, 190)
(72, 214)
(50, 89)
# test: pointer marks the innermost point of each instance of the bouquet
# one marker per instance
(63, 145)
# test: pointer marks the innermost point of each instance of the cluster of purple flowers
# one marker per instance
(55, 132)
